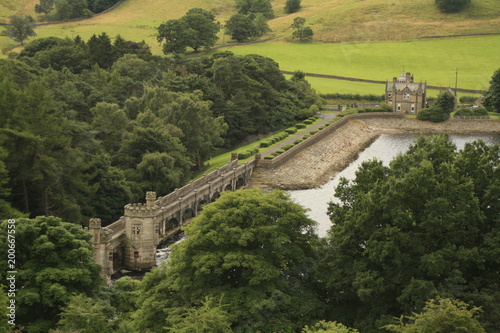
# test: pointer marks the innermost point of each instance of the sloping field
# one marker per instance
(431, 60)
(332, 20)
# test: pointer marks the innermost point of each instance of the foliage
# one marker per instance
(292, 6)
(20, 28)
(253, 7)
(85, 315)
(421, 227)
(71, 9)
(254, 250)
(446, 102)
(303, 34)
(45, 6)
(434, 114)
(328, 327)
(209, 317)
(196, 29)
(53, 261)
(471, 112)
(240, 27)
(468, 99)
(492, 96)
(441, 315)
(452, 6)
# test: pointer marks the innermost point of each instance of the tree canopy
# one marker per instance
(253, 251)
(302, 33)
(421, 227)
(492, 96)
(452, 6)
(20, 28)
(53, 261)
(196, 29)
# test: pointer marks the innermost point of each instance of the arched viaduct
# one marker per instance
(130, 243)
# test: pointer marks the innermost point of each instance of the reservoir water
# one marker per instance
(385, 148)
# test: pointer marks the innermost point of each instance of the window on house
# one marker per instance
(399, 106)
(406, 96)
(389, 94)
(413, 108)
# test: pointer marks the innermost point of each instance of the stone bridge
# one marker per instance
(130, 243)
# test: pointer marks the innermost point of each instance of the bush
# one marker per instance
(451, 6)
(355, 97)
(291, 130)
(306, 136)
(314, 132)
(242, 156)
(268, 157)
(264, 144)
(281, 151)
(288, 147)
(292, 6)
(434, 114)
(304, 114)
(298, 126)
(298, 141)
(308, 121)
(322, 127)
(471, 112)
(468, 99)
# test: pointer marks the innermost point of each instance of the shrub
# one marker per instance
(281, 151)
(300, 125)
(451, 6)
(298, 141)
(314, 132)
(291, 130)
(242, 156)
(308, 121)
(292, 6)
(304, 114)
(288, 147)
(264, 144)
(468, 99)
(268, 157)
(434, 114)
(306, 136)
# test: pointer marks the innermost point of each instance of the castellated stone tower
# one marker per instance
(141, 228)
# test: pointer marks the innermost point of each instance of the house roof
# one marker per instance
(401, 85)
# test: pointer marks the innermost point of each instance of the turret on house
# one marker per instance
(404, 95)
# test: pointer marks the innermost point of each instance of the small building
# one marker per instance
(404, 95)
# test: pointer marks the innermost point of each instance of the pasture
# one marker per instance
(431, 60)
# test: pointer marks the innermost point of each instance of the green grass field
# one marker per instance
(434, 61)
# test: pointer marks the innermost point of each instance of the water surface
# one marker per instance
(385, 148)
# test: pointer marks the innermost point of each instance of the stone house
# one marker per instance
(404, 95)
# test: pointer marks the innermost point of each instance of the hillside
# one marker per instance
(332, 20)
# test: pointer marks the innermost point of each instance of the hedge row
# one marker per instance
(248, 153)
(355, 97)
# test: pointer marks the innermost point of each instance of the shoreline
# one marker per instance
(317, 164)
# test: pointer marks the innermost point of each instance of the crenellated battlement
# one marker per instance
(140, 210)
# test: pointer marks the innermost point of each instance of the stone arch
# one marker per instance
(200, 204)
(215, 196)
(172, 223)
(240, 183)
(188, 213)
(228, 187)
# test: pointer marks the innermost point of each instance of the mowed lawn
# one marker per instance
(434, 61)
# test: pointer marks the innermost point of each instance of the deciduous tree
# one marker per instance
(304, 34)
(421, 227)
(492, 97)
(451, 6)
(292, 6)
(45, 6)
(20, 28)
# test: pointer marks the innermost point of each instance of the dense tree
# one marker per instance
(446, 101)
(254, 250)
(441, 315)
(20, 28)
(260, 25)
(45, 6)
(101, 51)
(71, 9)
(85, 315)
(304, 34)
(328, 327)
(252, 7)
(53, 261)
(492, 96)
(452, 6)
(433, 113)
(196, 29)
(240, 27)
(292, 6)
(422, 227)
